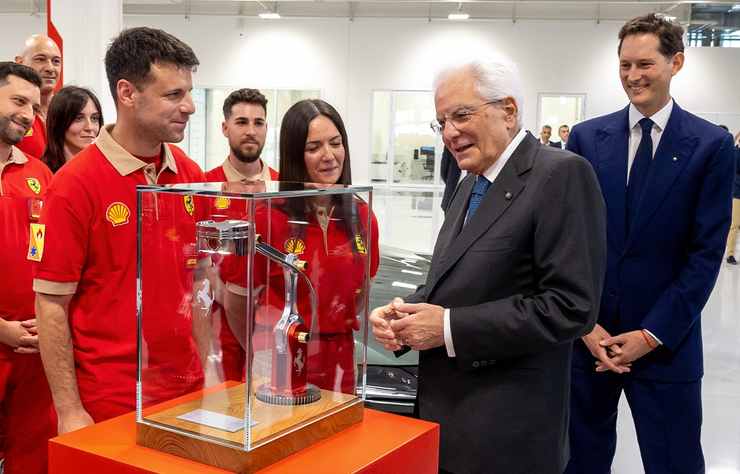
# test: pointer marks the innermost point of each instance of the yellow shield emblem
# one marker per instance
(189, 204)
(360, 245)
(117, 214)
(222, 203)
(29, 132)
(33, 185)
(295, 246)
(36, 242)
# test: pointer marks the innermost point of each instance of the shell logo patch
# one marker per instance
(189, 204)
(29, 133)
(360, 245)
(295, 246)
(34, 185)
(222, 203)
(117, 214)
(36, 242)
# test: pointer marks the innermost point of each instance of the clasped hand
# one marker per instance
(616, 353)
(419, 326)
(22, 336)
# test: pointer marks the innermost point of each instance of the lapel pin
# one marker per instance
(675, 158)
(507, 196)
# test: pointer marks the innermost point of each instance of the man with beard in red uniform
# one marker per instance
(23, 183)
(85, 281)
(41, 54)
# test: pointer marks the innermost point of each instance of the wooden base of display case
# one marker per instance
(279, 430)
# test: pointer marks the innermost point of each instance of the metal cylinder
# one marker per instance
(229, 237)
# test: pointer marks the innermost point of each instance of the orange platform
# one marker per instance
(381, 443)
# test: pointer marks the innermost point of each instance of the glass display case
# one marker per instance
(249, 298)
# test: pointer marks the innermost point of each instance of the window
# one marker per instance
(204, 141)
(559, 109)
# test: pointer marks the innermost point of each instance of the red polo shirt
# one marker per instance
(226, 172)
(23, 184)
(34, 143)
(90, 252)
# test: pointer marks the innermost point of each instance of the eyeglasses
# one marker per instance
(458, 117)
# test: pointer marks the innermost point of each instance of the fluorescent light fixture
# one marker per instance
(458, 16)
(270, 16)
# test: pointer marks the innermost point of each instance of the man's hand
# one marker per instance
(380, 319)
(73, 419)
(601, 352)
(22, 336)
(422, 329)
(632, 346)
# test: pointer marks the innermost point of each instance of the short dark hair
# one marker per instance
(10, 68)
(246, 96)
(293, 134)
(546, 126)
(565, 125)
(669, 33)
(130, 56)
(63, 109)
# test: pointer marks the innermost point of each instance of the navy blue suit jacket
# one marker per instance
(660, 276)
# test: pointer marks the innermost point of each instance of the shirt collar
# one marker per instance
(123, 161)
(494, 170)
(659, 118)
(232, 174)
(17, 156)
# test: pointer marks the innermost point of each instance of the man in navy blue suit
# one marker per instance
(666, 176)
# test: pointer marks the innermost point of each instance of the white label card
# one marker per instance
(214, 420)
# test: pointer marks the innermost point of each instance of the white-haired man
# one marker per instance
(508, 290)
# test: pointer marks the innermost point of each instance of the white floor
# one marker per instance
(721, 386)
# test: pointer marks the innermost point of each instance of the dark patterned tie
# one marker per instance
(639, 171)
(479, 190)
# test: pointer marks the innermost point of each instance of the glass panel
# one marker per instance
(560, 109)
(251, 297)
(413, 140)
(380, 138)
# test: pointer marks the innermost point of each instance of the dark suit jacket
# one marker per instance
(660, 275)
(557, 145)
(523, 279)
(450, 173)
(736, 192)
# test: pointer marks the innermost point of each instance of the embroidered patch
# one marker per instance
(189, 204)
(295, 246)
(36, 242)
(360, 245)
(34, 185)
(117, 214)
(222, 203)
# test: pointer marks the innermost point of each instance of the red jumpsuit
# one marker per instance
(26, 407)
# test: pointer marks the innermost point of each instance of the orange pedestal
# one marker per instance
(381, 443)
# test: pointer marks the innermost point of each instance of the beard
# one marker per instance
(8, 134)
(246, 157)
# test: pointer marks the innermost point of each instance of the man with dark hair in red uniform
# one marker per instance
(25, 402)
(85, 280)
(245, 126)
(41, 54)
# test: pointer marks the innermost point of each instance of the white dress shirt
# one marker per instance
(660, 120)
(490, 174)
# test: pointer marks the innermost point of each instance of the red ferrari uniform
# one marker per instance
(25, 401)
(233, 355)
(90, 253)
(34, 143)
(336, 265)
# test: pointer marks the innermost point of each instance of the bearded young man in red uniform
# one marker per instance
(41, 54)
(245, 127)
(85, 281)
(23, 184)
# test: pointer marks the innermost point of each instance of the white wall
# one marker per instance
(15, 29)
(348, 60)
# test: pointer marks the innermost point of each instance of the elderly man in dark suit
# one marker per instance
(666, 176)
(516, 276)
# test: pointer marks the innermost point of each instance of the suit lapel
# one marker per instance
(612, 147)
(505, 189)
(673, 154)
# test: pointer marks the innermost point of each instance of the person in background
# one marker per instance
(41, 54)
(666, 176)
(545, 135)
(85, 278)
(735, 225)
(26, 411)
(73, 122)
(563, 132)
(450, 172)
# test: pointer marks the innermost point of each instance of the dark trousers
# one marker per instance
(667, 419)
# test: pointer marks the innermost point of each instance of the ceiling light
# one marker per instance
(270, 16)
(458, 16)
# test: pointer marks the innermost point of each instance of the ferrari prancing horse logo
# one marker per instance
(34, 185)
(189, 204)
